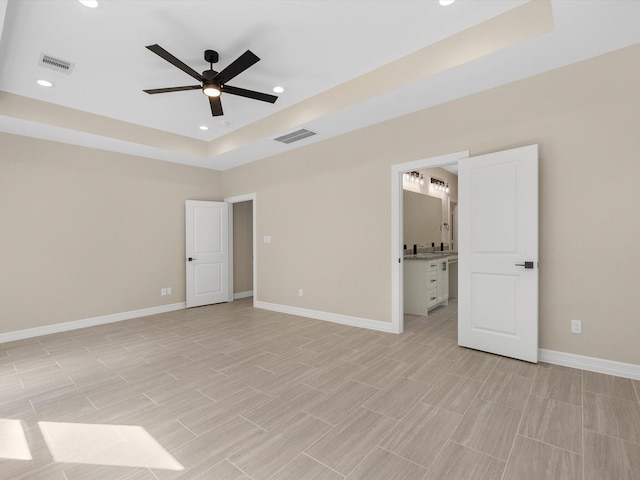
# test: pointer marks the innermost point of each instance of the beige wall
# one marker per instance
(242, 247)
(331, 233)
(85, 233)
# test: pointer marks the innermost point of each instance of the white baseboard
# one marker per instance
(591, 364)
(88, 322)
(328, 317)
(239, 295)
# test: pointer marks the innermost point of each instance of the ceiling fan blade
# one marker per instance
(161, 52)
(172, 89)
(236, 67)
(265, 97)
(216, 106)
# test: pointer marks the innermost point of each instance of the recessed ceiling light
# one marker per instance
(224, 124)
(278, 89)
(446, 3)
(203, 127)
(44, 83)
(90, 3)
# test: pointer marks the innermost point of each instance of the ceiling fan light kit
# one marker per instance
(213, 83)
(211, 90)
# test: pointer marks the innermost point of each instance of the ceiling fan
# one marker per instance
(213, 84)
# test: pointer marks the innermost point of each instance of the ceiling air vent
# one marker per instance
(295, 136)
(56, 64)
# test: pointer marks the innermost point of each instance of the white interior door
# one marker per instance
(207, 252)
(498, 253)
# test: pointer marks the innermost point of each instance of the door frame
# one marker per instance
(238, 199)
(397, 260)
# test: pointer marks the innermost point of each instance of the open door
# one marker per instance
(498, 253)
(207, 252)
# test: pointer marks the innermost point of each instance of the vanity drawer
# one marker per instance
(432, 266)
(432, 298)
(432, 278)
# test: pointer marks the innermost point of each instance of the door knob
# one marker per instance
(191, 259)
(525, 264)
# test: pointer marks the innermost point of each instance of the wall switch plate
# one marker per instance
(576, 326)
(168, 290)
(163, 291)
(300, 292)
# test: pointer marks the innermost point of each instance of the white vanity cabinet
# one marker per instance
(426, 284)
(443, 281)
(433, 274)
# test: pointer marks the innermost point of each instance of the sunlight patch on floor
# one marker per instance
(13, 443)
(121, 445)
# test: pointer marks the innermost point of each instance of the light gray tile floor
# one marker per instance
(232, 392)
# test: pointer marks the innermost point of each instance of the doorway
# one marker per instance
(498, 243)
(397, 244)
(242, 261)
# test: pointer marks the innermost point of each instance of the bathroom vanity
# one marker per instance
(426, 281)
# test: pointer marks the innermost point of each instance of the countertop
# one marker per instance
(432, 256)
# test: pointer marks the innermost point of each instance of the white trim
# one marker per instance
(239, 295)
(88, 322)
(397, 308)
(591, 364)
(231, 296)
(254, 201)
(327, 316)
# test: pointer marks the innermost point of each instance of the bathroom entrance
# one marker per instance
(498, 250)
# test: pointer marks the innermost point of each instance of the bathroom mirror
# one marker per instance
(422, 219)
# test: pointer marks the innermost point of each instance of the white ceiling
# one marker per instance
(307, 46)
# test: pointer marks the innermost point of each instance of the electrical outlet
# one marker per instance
(576, 326)
(163, 291)
(168, 290)
(300, 292)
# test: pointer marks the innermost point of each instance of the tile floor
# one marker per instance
(228, 392)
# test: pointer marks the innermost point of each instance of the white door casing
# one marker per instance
(207, 252)
(498, 233)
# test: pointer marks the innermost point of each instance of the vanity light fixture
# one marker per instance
(414, 177)
(439, 185)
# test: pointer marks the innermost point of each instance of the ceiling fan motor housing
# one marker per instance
(209, 75)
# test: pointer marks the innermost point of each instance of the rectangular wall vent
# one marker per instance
(56, 64)
(295, 136)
